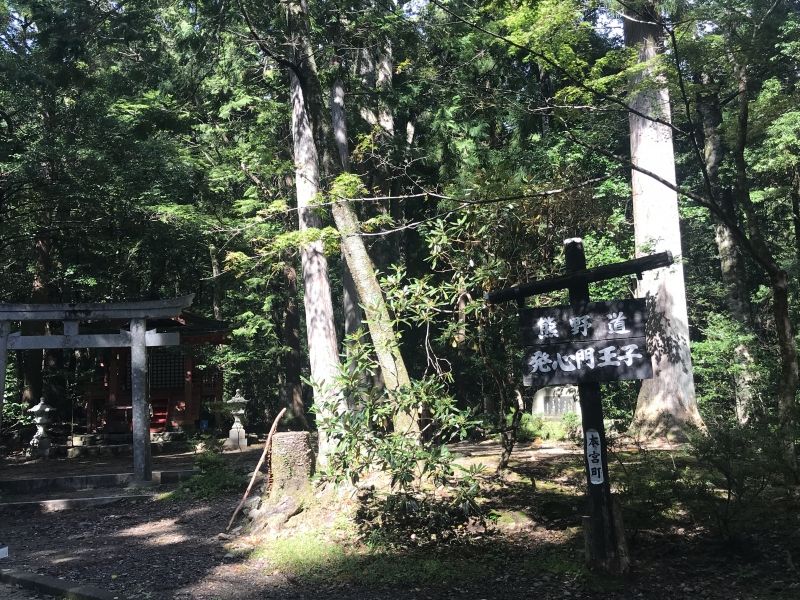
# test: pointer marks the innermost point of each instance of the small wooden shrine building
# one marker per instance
(177, 388)
(125, 389)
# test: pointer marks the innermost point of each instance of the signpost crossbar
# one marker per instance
(580, 277)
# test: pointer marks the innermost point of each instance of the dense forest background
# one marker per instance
(152, 148)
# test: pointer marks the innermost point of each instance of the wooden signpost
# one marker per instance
(585, 343)
(138, 339)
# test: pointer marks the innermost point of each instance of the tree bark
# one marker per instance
(731, 264)
(293, 389)
(378, 319)
(666, 406)
(361, 268)
(352, 311)
(33, 360)
(795, 195)
(790, 376)
(216, 273)
(376, 67)
(318, 304)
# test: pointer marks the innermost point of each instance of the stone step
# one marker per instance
(168, 447)
(97, 439)
(76, 483)
(58, 504)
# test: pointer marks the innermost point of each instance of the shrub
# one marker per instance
(417, 466)
(530, 427)
(736, 464)
(215, 477)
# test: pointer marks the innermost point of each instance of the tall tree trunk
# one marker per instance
(790, 375)
(320, 330)
(293, 389)
(795, 195)
(376, 67)
(350, 306)
(216, 273)
(779, 280)
(33, 360)
(384, 338)
(310, 126)
(362, 269)
(666, 405)
(383, 84)
(731, 264)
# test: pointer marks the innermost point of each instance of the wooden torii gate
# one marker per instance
(137, 338)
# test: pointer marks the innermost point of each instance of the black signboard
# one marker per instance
(582, 362)
(614, 320)
(600, 341)
(585, 343)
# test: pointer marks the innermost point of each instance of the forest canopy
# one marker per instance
(384, 164)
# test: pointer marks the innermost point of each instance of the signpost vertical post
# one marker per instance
(601, 526)
(5, 328)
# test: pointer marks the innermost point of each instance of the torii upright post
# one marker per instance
(142, 460)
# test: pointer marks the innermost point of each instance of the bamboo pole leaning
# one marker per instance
(267, 446)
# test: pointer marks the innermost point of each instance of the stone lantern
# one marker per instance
(40, 444)
(237, 437)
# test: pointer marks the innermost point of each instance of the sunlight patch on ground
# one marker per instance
(150, 529)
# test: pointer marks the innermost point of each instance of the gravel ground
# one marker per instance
(172, 549)
(12, 592)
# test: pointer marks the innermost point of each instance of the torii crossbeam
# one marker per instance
(138, 339)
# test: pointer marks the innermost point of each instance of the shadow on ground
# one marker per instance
(163, 549)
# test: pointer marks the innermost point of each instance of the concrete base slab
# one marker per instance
(76, 483)
(55, 587)
(45, 506)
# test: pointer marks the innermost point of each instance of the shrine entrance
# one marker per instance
(137, 338)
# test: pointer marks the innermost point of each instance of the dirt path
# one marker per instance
(164, 549)
(12, 592)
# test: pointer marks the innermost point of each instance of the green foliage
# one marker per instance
(530, 428)
(216, 477)
(650, 485)
(418, 465)
(717, 364)
(404, 520)
(15, 413)
(739, 462)
(572, 425)
(722, 482)
(364, 437)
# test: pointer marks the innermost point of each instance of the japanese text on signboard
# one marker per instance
(601, 341)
